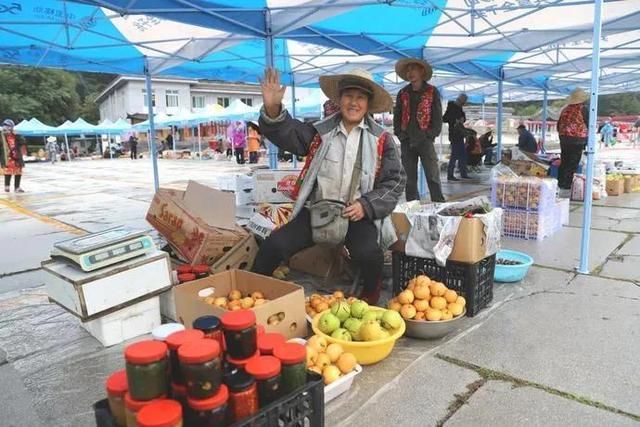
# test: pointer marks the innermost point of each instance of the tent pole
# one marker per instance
(273, 150)
(483, 109)
(499, 119)
(66, 143)
(293, 108)
(152, 131)
(545, 106)
(110, 152)
(591, 144)
(199, 141)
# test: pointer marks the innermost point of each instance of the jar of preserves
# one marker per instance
(116, 389)
(201, 271)
(160, 333)
(211, 412)
(266, 371)
(267, 342)
(202, 367)
(211, 327)
(146, 364)
(294, 365)
(160, 413)
(186, 277)
(132, 407)
(240, 363)
(243, 396)
(184, 268)
(261, 330)
(240, 334)
(174, 341)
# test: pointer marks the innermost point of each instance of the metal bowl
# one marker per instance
(432, 329)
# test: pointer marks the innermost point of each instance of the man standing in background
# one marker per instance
(417, 121)
(456, 117)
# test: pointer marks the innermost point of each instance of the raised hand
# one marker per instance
(272, 92)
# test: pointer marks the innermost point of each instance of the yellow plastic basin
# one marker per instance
(366, 352)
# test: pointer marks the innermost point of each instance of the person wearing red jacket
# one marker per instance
(573, 129)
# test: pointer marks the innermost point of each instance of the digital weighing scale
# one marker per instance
(108, 247)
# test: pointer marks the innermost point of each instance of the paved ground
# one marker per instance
(556, 349)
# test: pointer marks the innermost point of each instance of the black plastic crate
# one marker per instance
(301, 408)
(473, 281)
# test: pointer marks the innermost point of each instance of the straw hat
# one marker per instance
(578, 96)
(403, 64)
(51, 139)
(379, 99)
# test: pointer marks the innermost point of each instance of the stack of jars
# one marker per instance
(187, 273)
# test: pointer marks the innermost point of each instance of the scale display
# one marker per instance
(108, 247)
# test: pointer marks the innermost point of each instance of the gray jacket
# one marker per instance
(379, 194)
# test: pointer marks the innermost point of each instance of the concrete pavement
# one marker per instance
(555, 349)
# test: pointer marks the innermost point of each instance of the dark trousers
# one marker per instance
(240, 156)
(16, 182)
(361, 241)
(253, 157)
(429, 159)
(134, 153)
(570, 155)
(459, 155)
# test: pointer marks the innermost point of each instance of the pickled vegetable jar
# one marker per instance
(240, 363)
(240, 335)
(201, 271)
(211, 412)
(132, 407)
(202, 367)
(267, 342)
(211, 327)
(146, 363)
(160, 413)
(174, 341)
(294, 365)
(184, 268)
(243, 396)
(266, 371)
(186, 277)
(116, 389)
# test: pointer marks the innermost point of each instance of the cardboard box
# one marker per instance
(260, 226)
(615, 187)
(100, 292)
(199, 223)
(285, 299)
(319, 260)
(275, 186)
(470, 244)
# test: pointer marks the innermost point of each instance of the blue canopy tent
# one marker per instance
(517, 45)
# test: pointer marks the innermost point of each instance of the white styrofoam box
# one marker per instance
(168, 304)
(245, 196)
(129, 322)
(564, 205)
(246, 211)
(275, 186)
(89, 295)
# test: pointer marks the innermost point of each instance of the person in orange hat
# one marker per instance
(573, 129)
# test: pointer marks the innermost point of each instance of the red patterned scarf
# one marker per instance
(423, 115)
(571, 122)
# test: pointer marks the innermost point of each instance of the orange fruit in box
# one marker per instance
(323, 360)
(346, 363)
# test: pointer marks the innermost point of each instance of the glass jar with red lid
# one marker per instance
(184, 268)
(266, 371)
(186, 277)
(268, 341)
(160, 413)
(146, 365)
(293, 357)
(117, 387)
(211, 327)
(243, 396)
(240, 334)
(202, 367)
(211, 412)
(201, 271)
(174, 341)
(240, 363)
(132, 407)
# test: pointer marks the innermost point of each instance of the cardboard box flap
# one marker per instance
(216, 208)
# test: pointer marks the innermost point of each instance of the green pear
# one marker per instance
(353, 326)
(328, 323)
(371, 331)
(341, 334)
(391, 319)
(359, 308)
(341, 310)
(370, 315)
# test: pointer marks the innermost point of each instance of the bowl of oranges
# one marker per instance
(429, 308)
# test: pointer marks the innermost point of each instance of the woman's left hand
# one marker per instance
(355, 211)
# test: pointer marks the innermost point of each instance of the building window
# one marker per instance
(172, 98)
(248, 101)
(224, 101)
(197, 101)
(153, 97)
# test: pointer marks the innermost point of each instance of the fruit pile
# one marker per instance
(328, 360)
(356, 321)
(318, 303)
(235, 301)
(426, 299)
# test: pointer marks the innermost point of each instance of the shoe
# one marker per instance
(452, 178)
(467, 177)
(371, 297)
(18, 190)
(7, 189)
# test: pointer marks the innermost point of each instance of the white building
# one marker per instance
(126, 98)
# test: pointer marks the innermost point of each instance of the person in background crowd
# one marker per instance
(133, 146)
(350, 159)
(573, 129)
(473, 149)
(635, 139)
(11, 161)
(607, 133)
(455, 117)
(169, 142)
(237, 138)
(52, 148)
(253, 141)
(486, 142)
(526, 140)
(417, 121)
